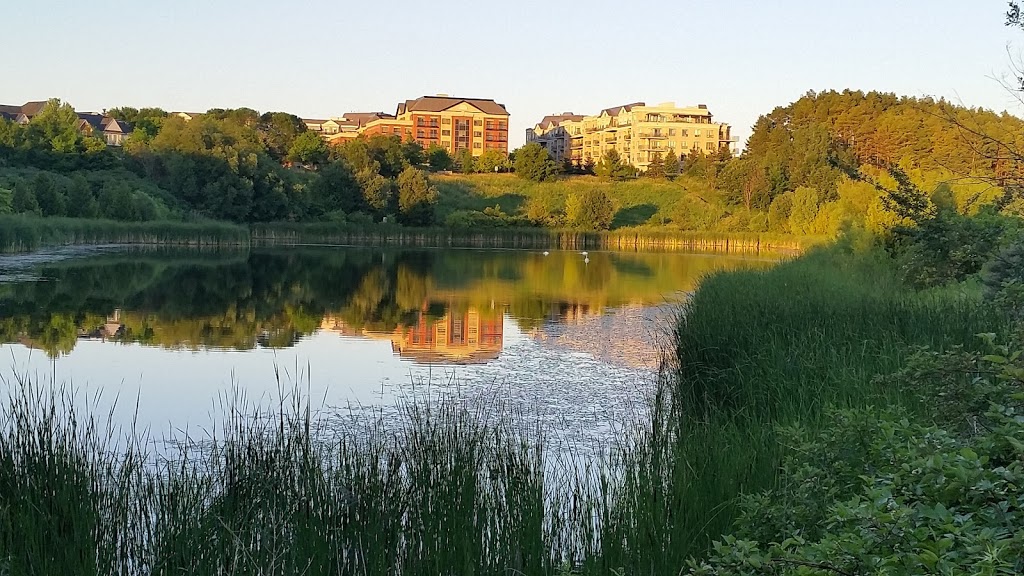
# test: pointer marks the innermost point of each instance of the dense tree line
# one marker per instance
(226, 164)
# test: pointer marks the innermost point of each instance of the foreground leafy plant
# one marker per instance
(882, 492)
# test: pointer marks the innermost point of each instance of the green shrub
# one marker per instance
(880, 491)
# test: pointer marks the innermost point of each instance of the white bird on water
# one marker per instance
(584, 253)
(586, 259)
(545, 252)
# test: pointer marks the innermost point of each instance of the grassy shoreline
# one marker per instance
(23, 234)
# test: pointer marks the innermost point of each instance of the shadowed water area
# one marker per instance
(569, 338)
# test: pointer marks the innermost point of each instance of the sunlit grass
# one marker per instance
(23, 233)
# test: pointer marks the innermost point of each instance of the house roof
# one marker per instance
(115, 125)
(12, 116)
(93, 119)
(442, 103)
(32, 108)
(614, 111)
(9, 109)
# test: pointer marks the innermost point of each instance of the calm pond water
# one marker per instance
(571, 339)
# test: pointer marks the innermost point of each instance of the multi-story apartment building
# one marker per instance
(637, 131)
(473, 124)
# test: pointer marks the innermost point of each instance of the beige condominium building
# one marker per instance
(453, 123)
(637, 131)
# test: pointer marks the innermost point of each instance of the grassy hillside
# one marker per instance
(637, 202)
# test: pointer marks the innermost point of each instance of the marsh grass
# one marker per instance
(756, 349)
(24, 233)
(623, 239)
(451, 489)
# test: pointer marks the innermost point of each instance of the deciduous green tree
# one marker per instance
(81, 200)
(51, 201)
(416, 198)
(438, 158)
(308, 148)
(490, 161)
(278, 131)
(590, 209)
(532, 162)
(778, 213)
(805, 209)
(24, 200)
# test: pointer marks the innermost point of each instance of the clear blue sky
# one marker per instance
(742, 57)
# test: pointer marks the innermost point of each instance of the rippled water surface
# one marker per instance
(571, 339)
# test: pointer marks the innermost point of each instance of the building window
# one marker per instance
(697, 132)
(476, 145)
(490, 137)
(433, 133)
(671, 131)
(684, 132)
(420, 134)
(711, 146)
(446, 132)
(477, 134)
(446, 120)
(478, 122)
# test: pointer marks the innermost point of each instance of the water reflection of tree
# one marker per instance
(275, 298)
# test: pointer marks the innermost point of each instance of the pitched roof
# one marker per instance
(556, 119)
(363, 118)
(93, 119)
(614, 111)
(12, 116)
(9, 109)
(33, 108)
(442, 103)
(115, 125)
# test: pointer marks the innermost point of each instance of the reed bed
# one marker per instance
(26, 233)
(756, 349)
(453, 489)
(639, 239)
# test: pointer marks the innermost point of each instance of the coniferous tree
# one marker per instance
(613, 167)
(671, 164)
(656, 169)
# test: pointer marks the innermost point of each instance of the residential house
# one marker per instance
(22, 114)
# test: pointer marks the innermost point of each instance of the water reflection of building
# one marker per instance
(572, 312)
(466, 337)
(112, 328)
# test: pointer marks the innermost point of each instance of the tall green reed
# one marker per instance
(758, 348)
(274, 490)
